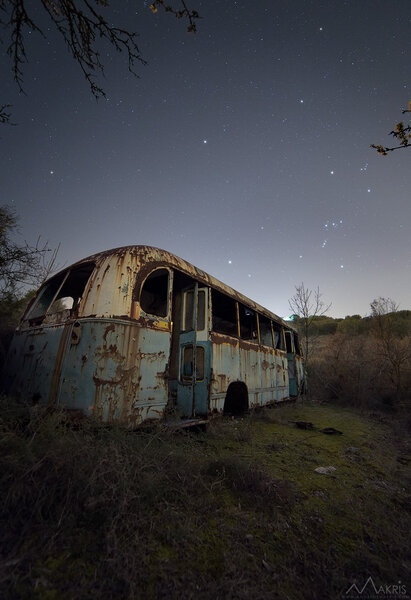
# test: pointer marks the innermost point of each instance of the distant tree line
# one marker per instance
(323, 325)
(362, 361)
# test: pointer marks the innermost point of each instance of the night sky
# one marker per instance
(243, 149)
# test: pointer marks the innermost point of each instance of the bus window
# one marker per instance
(72, 289)
(188, 310)
(200, 363)
(45, 297)
(248, 323)
(200, 310)
(154, 294)
(64, 292)
(187, 363)
(289, 341)
(266, 336)
(224, 314)
(278, 337)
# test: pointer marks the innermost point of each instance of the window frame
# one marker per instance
(270, 322)
(168, 303)
(191, 379)
(33, 315)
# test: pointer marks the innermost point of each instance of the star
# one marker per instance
(52, 173)
(230, 262)
(204, 141)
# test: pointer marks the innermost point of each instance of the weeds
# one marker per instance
(97, 511)
(353, 371)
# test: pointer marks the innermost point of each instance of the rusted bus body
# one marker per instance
(136, 333)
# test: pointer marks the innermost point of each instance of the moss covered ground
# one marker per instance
(236, 512)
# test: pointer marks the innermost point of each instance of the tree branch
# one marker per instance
(401, 133)
(81, 25)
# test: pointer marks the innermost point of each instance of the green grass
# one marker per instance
(237, 512)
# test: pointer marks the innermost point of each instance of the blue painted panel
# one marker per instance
(202, 386)
(185, 389)
(32, 361)
(193, 392)
(117, 370)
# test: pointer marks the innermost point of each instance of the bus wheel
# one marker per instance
(236, 400)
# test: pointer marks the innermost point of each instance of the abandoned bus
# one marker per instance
(137, 333)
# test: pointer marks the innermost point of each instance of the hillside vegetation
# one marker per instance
(360, 362)
(93, 511)
(357, 325)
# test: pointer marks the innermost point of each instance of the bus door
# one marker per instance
(194, 353)
(292, 371)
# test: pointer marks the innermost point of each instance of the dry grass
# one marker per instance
(99, 512)
(353, 371)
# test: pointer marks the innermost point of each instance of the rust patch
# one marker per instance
(107, 331)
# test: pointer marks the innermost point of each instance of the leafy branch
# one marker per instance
(184, 13)
(401, 132)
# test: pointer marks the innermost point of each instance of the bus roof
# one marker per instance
(151, 257)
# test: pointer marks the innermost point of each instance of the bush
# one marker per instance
(353, 371)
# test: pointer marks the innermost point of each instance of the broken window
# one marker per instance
(154, 293)
(248, 323)
(62, 292)
(187, 366)
(189, 308)
(278, 337)
(266, 336)
(289, 341)
(224, 314)
(201, 310)
(72, 289)
(45, 297)
(200, 363)
(187, 363)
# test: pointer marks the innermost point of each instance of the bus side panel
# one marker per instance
(33, 363)
(225, 365)
(250, 373)
(265, 374)
(116, 370)
(268, 361)
(282, 388)
(263, 371)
